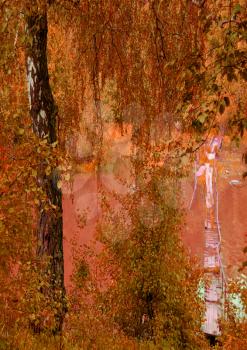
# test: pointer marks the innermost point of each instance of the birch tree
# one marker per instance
(43, 112)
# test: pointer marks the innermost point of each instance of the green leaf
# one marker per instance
(237, 8)
(202, 117)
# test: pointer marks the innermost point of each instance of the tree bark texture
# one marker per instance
(43, 113)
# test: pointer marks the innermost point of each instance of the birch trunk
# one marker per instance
(43, 112)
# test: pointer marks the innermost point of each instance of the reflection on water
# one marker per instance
(115, 174)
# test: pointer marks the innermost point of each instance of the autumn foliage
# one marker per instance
(161, 72)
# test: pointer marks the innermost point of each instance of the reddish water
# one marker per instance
(232, 213)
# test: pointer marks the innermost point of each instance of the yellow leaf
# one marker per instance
(59, 184)
(67, 177)
(21, 131)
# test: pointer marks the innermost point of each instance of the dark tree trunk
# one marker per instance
(43, 112)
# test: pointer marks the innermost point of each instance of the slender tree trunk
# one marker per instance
(43, 112)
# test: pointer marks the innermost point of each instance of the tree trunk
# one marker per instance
(43, 112)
